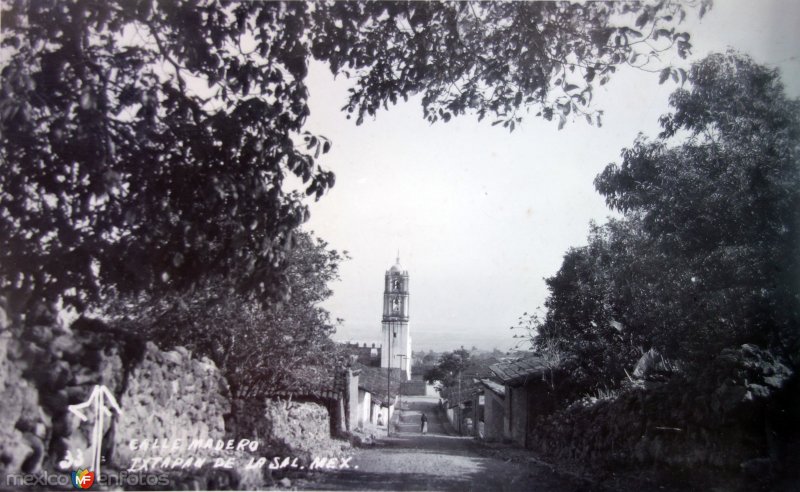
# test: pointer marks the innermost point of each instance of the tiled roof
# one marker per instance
(313, 379)
(494, 386)
(373, 380)
(518, 372)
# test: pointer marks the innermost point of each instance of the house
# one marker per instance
(464, 406)
(494, 394)
(527, 384)
(354, 395)
(375, 405)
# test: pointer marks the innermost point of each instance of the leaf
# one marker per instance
(191, 138)
(663, 76)
(662, 32)
(642, 19)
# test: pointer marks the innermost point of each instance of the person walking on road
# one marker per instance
(424, 421)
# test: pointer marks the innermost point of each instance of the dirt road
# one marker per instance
(436, 461)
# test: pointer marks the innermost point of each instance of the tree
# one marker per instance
(448, 370)
(494, 58)
(583, 327)
(146, 145)
(723, 207)
(707, 254)
(260, 349)
(546, 346)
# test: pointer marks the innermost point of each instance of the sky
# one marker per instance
(481, 216)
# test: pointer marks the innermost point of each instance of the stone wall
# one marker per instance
(724, 420)
(165, 395)
(170, 395)
(23, 429)
(167, 398)
(288, 428)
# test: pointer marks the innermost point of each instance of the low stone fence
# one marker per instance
(727, 419)
(289, 428)
(165, 410)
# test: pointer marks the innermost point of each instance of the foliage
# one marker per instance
(722, 208)
(707, 254)
(450, 368)
(579, 327)
(496, 58)
(547, 347)
(146, 145)
(460, 365)
(260, 349)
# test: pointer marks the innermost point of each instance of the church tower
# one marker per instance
(396, 350)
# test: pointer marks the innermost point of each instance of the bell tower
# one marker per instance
(396, 351)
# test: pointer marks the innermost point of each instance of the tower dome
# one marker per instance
(396, 268)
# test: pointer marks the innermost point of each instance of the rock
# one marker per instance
(64, 344)
(42, 334)
(33, 461)
(183, 351)
(19, 402)
(173, 357)
(756, 391)
(285, 482)
(5, 321)
(13, 452)
(775, 381)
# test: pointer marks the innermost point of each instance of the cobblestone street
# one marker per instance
(438, 460)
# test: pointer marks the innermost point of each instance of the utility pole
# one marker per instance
(459, 385)
(460, 410)
(389, 385)
(400, 393)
